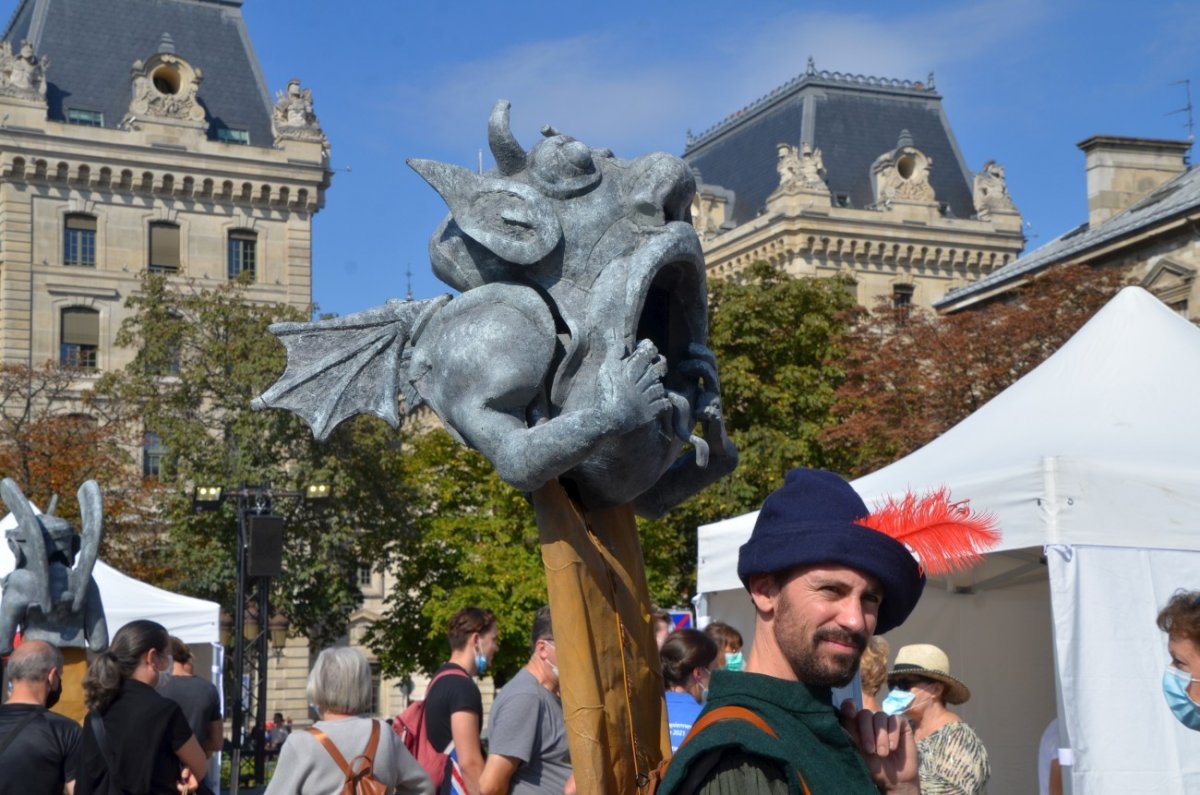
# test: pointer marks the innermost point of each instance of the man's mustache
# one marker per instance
(855, 639)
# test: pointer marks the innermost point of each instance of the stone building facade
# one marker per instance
(141, 136)
(844, 174)
(1143, 218)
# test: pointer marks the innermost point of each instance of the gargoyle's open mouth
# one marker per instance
(672, 314)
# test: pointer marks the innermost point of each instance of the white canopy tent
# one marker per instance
(1095, 457)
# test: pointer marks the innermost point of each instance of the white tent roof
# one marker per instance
(126, 599)
(1097, 445)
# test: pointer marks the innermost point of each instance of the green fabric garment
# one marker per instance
(734, 756)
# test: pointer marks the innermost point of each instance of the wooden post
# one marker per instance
(609, 671)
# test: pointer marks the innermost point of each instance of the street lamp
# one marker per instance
(259, 555)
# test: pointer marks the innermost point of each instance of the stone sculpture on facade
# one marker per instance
(23, 75)
(575, 360)
(293, 117)
(801, 169)
(51, 594)
(991, 191)
(903, 174)
(166, 87)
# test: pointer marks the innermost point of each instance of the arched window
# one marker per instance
(79, 241)
(243, 253)
(164, 248)
(80, 338)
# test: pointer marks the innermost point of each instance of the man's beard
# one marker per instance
(802, 649)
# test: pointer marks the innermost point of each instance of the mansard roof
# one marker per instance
(852, 119)
(1177, 197)
(92, 45)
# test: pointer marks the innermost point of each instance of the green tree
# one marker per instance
(912, 375)
(472, 540)
(203, 354)
(778, 340)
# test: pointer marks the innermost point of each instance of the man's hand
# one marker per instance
(887, 745)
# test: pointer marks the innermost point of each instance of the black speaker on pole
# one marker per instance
(264, 556)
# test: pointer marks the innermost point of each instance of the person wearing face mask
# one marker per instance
(729, 645)
(527, 737)
(39, 750)
(952, 759)
(688, 657)
(1180, 619)
(453, 703)
(134, 739)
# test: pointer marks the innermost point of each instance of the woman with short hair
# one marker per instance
(1180, 619)
(339, 686)
(688, 657)
(134, 739)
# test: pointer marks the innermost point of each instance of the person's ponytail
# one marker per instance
(118, 662)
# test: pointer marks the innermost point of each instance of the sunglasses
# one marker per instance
(905, 684)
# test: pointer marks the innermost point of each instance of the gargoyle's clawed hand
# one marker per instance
(630, 387)
(702, 369)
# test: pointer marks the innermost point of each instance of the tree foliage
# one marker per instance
(912, 375)
(472, 540)
(52, 438)
(779, 341)
(202, 355)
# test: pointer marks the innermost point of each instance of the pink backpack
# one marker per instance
(410, 725)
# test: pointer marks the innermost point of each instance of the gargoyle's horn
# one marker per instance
(53, 505)
(510, 157)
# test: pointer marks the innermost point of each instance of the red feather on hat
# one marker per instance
(944, 536)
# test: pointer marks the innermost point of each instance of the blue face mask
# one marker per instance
(897, 702)
(733, 661)
(1175, 683)
(480, 664)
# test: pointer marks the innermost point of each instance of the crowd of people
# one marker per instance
(822, 585)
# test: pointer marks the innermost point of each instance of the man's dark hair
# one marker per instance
(467, 622)
(542, 630)
(180, 652)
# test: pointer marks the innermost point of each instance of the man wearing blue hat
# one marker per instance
(822, 582)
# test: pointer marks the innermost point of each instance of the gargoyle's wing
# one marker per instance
(30, 528)
(346, 366)
(91, 515)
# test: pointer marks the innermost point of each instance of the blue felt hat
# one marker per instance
(813, 519)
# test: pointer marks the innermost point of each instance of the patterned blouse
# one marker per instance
(953, 761)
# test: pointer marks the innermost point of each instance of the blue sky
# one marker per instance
(1023, 81)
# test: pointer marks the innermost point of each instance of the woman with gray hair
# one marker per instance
(314, 762)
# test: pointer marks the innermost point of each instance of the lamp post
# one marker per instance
(259, 552)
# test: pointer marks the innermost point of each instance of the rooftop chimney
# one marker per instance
(1122, 170)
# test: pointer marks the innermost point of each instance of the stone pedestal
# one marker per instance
(75, 666)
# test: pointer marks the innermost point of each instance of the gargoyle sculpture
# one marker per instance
(50, 594)
(577, 348)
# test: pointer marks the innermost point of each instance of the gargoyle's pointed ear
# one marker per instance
(509, 218)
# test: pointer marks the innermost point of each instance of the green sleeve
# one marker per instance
(731, 771)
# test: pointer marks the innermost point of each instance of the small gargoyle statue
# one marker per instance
(577, 349)
(51, 594)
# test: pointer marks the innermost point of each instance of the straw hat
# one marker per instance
(927, 661)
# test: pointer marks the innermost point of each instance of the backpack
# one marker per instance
(360, 776)
(410, 725)
(650, 785)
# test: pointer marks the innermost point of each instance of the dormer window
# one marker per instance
(233, 135)
(86, 118)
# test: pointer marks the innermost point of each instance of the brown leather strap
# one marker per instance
(733, 712)
(728, 713)
(324, 740)
(373, 743)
